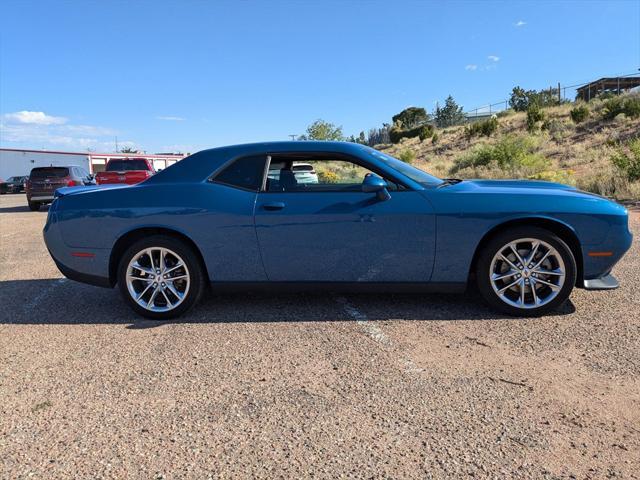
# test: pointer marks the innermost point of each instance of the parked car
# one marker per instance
(4, 188)
(377, 223)
(43, 182)
(126, 170)
(15, 184)
(304, 173)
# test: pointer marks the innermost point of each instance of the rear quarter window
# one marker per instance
(245, 173)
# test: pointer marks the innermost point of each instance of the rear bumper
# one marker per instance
(88, 278)
(81, 264)
(41, 198)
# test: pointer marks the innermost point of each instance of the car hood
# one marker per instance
(518, 184)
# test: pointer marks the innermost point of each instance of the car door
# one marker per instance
(331, 231)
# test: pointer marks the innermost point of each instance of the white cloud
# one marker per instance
(493, 58)
(520, 23)
(170, 118)
(39, 130)
(34, 118)
(471, 67)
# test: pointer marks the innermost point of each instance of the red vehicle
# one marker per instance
(126, 170)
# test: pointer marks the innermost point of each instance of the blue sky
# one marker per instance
(186, 75)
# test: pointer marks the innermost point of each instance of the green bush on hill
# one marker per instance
(629, 105)
(534, 115)
(407, 156)
(484, 128)
(627, 160)
(515, 155)
(397, 133)
(579, 114)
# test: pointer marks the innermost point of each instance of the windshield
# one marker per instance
(415, 174)
(124, 165)
(49, 172)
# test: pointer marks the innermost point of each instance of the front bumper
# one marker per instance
(608, 282)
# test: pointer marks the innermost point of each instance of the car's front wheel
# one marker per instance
(526, 271)
(34, 206)
(160, 277)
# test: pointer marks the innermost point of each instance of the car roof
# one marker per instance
(201, 164)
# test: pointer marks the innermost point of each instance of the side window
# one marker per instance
(316, 175)
(246, 173)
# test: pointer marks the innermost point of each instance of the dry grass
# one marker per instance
(579, 154)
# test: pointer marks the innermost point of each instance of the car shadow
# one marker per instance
(21, 208)
(64, 302)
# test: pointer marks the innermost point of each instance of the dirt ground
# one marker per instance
(298, 386)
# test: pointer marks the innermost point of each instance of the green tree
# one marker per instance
(321, 130)
(411, 117)
(449, 115)
(520, 99)
(128, 150)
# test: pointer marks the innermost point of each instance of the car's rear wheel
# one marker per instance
(526, 271)
(160, 277)
(34, 206)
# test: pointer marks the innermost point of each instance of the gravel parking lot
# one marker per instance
(324, 386)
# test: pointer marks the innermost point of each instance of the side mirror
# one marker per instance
(374, 184)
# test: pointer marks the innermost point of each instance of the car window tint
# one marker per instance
(49, 172)
(316, 175)
(125, 165)
(244, 173)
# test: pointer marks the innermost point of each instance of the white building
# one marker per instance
(17, 162)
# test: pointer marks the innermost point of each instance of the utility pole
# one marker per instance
(116, 144)
(559, 97)
(293, 137)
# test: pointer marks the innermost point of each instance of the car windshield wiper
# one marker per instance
(449, 181)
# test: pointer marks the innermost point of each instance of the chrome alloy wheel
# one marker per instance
(158, 279)
(527, 273)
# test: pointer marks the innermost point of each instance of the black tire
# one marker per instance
(497, 243)
(34, 206)
(190, 258)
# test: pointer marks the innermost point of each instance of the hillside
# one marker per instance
(556, 149)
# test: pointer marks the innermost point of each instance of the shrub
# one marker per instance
(484, 127)
(435, 138)
(579, 114)
(505, 113)
(627, 160)
(558, 176)
(327, 176)
(629, 105)
(426, 131)
(513, 155)
(556, 128)
(397, 133)
(534, 115)
(407, 155)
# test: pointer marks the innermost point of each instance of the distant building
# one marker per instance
(607, 84)
(15, 162)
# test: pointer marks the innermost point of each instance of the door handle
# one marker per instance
(273, 206)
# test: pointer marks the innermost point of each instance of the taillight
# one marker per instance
(72, 183)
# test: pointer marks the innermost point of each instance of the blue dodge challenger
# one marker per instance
(333, 215)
